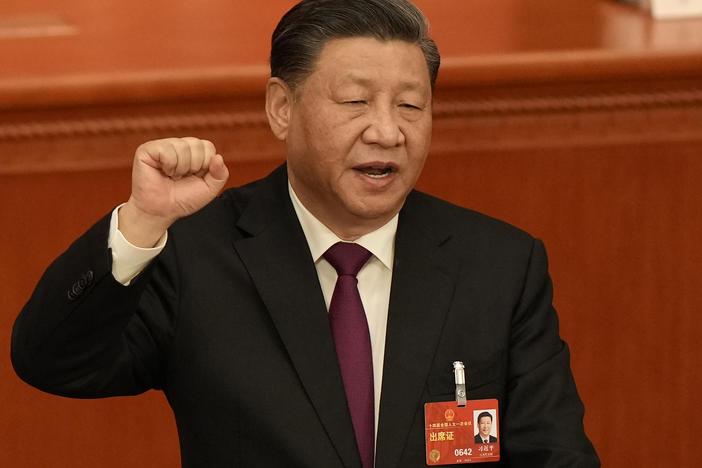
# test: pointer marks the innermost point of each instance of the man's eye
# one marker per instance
(410, 106)
(358, 101)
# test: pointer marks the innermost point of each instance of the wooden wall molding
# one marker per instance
(534, 132)
(576, 103)
(463, 121)
(174, 123)
(456, 108)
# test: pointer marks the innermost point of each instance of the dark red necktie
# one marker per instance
(352, 342)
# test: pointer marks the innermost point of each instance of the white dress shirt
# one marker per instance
(374, 278)
(127, 259)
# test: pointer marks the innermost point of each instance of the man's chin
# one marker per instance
(376, 206)
(376, 214)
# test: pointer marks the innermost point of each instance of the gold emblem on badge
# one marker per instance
(449, 414)
(434, 456)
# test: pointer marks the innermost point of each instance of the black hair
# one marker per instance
(303, 32)
(483, 414)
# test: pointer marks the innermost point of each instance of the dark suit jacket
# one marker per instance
(230, 322)
(479, 440)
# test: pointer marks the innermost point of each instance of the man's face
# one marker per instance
(359, 132)
(485, 424)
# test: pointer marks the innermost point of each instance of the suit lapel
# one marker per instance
(278, 259)
(422, 287)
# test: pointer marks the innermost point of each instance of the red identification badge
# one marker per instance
(461, 434)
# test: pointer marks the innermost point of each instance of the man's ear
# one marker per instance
(279, 101)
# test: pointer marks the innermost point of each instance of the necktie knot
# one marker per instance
(347, 258)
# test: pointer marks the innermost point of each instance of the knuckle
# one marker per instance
(180, 144)
(209, 146)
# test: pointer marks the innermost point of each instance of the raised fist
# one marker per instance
(171, 178)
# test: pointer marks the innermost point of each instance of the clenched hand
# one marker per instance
(171, 178)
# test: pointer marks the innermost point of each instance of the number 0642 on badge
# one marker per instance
(462, 434)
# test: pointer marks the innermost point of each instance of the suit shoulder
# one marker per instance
(466, 223)
(222, 213)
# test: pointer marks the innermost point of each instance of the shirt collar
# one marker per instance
(381, 242)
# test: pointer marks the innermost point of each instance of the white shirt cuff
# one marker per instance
(129, 260)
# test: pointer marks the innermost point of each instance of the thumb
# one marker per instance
(217, 175)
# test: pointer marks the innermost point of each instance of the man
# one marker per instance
(230, 305)
(484, 428)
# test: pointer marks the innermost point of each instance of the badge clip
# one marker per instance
(460, 376)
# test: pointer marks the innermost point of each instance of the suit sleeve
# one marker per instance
(83, 334)
(543, 417)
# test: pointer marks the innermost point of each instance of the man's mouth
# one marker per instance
(376, 171)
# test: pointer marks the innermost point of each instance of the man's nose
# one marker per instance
(384, 128)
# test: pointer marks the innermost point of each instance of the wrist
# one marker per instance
(140, 228)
